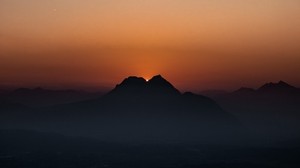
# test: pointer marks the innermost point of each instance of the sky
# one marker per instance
(195, 44)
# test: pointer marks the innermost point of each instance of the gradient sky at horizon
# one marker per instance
(196, 44)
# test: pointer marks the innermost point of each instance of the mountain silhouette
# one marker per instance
(281, 86)
(140, 110)
(159, 85)
(272, 108)
(131, 85)
(138, 85)
(155, 95)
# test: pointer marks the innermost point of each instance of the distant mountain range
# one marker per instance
(136, 109)
(281, 86)
(268, 88)
(272, 108)
(269, 94)
(153, 110)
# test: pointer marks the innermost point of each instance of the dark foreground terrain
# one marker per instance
(28, 149)
(141, 124)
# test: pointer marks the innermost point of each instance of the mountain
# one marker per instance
(155, 95)
(140, 110)
(137, 85)
(137, 88)
(159, 85)
(280, 87)
(272, 108)
(271, 92)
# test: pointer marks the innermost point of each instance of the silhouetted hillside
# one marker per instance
(272, 109)
(151, 124)
(137, 86)
(281, 86)
(143, 111)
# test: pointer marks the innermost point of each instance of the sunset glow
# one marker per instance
(197, 45)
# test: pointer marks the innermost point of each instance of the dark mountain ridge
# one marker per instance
(280, 86)
(272, 108)
(138, 85)
(140, 110)
(271, 87)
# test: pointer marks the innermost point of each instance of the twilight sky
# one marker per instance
(195, 44)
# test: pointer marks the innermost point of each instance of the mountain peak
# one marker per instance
(158, 79)
(133, 80)
(155, 77)
(138, 85)
(131, 84)
(281, 85)
(158, 84)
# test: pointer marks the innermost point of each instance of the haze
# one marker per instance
(196, 44)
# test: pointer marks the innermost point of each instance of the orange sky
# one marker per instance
(196, 44)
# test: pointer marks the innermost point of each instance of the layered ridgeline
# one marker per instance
(271, 110)
(140, 110)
